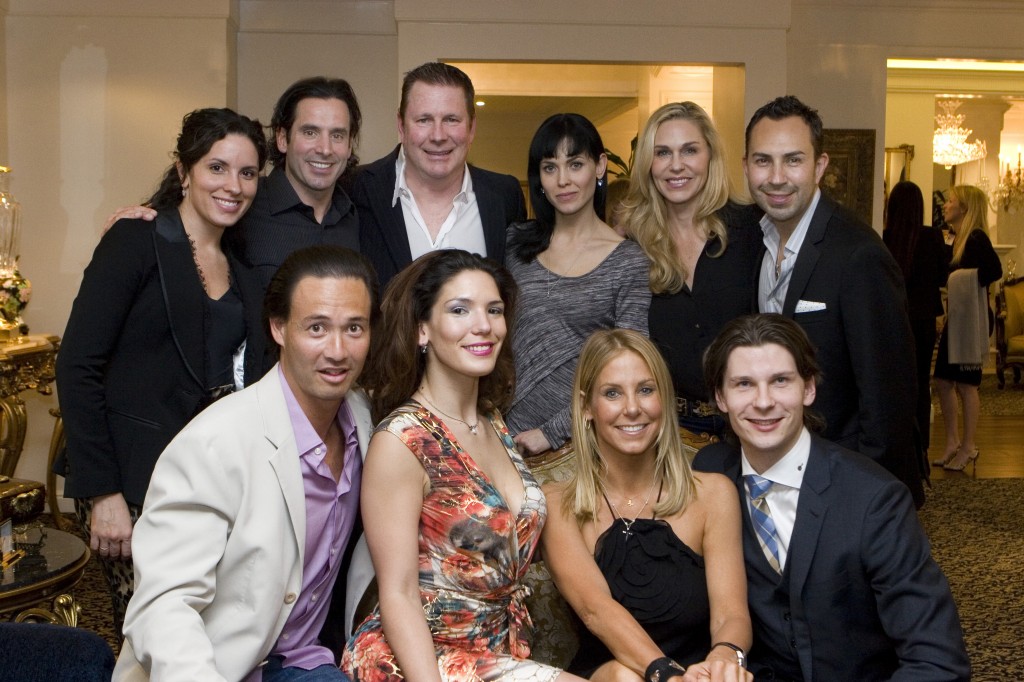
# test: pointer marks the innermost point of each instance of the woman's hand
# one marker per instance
(532, 442)
(717, 670)
(110, 531)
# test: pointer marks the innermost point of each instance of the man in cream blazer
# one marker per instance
(230, 577)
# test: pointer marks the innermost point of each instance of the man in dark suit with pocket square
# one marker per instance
(840, 580)
(831, 273)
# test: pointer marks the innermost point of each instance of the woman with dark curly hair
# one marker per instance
(164, 323)
(451, 512)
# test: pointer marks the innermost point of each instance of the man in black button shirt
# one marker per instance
(315, 126)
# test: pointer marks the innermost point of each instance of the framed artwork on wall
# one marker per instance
(850, 176)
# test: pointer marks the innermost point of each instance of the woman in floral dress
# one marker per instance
(451, 512)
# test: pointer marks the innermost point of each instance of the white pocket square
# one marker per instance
(809, 306)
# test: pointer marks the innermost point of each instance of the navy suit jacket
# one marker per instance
(382, 235)
(862, 338)
(866, 599)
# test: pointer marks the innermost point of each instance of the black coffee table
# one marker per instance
(54, 562)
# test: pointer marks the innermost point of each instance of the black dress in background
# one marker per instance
(978, 253)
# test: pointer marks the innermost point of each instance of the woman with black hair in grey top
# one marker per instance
(575, 275)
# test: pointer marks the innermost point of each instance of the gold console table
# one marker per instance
(26, 362)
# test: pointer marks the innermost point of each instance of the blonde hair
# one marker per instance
(583, 489)
(975, 206)
(645, 212)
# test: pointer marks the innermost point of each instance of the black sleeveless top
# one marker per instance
(225, 334)
(661, 582)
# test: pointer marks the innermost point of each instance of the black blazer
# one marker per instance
(132, 364)
(382, 236)
(866, 599)
(863, 340)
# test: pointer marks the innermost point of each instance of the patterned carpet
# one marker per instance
(976, 529)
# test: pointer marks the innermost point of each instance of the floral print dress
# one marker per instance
(473, 554)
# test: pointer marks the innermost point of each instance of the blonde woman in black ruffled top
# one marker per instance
(646, 551)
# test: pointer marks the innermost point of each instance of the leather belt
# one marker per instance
(695, 408)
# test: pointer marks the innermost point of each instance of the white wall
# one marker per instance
(94, 99)
(281, 42)
(94, 90)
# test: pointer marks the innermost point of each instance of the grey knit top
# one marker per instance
(556, 315)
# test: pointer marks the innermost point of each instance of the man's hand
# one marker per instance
(129, 212)
(717, 670)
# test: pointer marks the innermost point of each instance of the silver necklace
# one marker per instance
(556, 278)
(629, 503)
(472, 427)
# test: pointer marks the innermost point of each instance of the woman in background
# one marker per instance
(703, 258)
(451, 512)
(924, 261)
(156, 332)
(646, 551)
(575, 275)
(966, 213)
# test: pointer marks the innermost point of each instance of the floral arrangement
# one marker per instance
(15, 293)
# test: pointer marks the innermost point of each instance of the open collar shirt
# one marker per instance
(773, 283)
(331, 509)
(462, 229)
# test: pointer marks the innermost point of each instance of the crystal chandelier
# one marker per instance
(1009, 195)
(949, 144)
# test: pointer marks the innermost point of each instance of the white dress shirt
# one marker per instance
(462, 229)
(787, 475)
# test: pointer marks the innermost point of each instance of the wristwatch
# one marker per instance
(741, 658)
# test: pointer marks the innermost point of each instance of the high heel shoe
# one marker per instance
(972, 459)
(947, 458)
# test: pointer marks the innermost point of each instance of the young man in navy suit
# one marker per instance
(840, 579)
(423, 195)
(826, 269)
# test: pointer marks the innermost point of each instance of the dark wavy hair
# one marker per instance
(441, 74)
(904, 219)
(200, 130)
(397, 365)
(784, 107)
(317, 87)
(752, 331)
(579, 136)
(324, 261)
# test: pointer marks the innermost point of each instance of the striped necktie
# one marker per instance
(761, 515)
